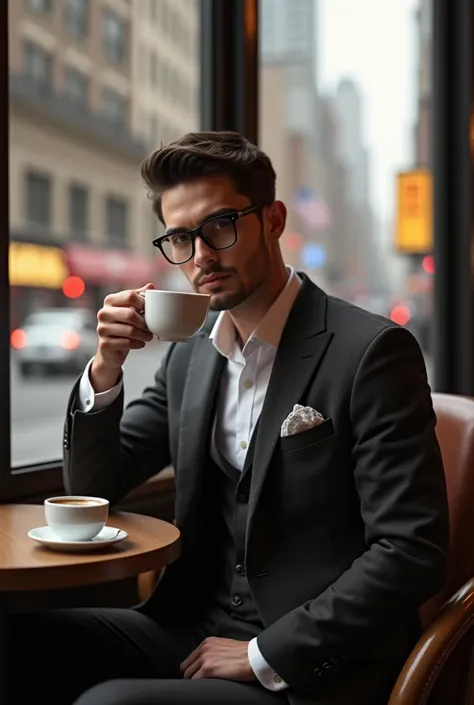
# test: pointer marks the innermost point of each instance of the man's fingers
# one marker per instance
(193, 656)
(193, 670)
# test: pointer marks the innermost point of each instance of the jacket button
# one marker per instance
(242, 497)
(237, 600)
(240, 569)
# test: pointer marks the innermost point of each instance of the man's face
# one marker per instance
(239, 271)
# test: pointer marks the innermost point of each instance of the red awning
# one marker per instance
(101, 266)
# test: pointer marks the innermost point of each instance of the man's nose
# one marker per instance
(203, 254)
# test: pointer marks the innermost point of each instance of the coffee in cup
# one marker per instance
(76, 518)
(175, 316)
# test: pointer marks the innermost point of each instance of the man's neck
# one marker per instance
(247, 316)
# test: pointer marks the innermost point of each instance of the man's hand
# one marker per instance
(120, 328)
(219, 658)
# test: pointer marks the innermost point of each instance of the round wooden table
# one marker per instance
(27, 565)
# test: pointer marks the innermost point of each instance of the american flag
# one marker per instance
(312, 209)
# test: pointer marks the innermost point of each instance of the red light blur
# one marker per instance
(70, 340)
(293, 241)
(73, 287)
(400, 314)
(18, 339)
(428, 264)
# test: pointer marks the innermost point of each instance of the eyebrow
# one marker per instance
(225, 210)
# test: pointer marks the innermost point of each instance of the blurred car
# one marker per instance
(55, 340)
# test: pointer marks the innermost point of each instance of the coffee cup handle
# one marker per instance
(142, 312)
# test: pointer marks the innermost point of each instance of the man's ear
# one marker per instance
(276, 219)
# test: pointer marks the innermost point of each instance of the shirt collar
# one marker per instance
(269, 330)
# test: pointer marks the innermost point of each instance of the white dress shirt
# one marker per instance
(242, 391)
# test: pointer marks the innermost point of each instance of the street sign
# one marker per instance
(414, 232)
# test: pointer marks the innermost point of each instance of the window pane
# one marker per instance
(38, 65)
(82, 119)
(78, 212)
(77, 17)
(77, 85)
(38, 200)
(40, 5)
(113, 36)
(345, 108)
(114, 106)
(116, 221)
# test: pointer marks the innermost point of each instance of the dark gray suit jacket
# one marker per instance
(348, 523)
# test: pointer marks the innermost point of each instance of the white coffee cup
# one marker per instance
(75, 517)
(175, 316)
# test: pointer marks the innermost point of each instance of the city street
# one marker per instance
(39, 405)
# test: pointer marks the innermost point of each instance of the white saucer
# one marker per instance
(107, 537)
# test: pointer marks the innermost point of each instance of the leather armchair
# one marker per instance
(440, 669)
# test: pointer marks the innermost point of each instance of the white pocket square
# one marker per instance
(300, 419)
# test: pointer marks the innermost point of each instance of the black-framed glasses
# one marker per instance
(218, 232)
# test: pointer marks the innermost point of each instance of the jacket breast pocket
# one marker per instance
(309, 471)
(310, 437)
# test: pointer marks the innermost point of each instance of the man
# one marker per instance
(305, 557)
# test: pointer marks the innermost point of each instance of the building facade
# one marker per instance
(91, 95)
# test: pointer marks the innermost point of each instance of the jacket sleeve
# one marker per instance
(399, 477)
(109, 452)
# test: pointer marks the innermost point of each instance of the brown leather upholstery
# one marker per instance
(441, 666)
(455, 431)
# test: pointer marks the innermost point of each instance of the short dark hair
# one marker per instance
(200, 154)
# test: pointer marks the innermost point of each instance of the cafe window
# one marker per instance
(38, 199)
(326, 123)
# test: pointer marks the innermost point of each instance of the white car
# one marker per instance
(55, 340)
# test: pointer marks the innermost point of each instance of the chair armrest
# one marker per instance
(433, 649)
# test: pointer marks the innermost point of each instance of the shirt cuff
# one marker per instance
(88, 400)
(265, 673)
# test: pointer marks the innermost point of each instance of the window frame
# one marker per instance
(229, 100)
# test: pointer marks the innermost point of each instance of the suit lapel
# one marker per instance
(199, 397)
(302, 345)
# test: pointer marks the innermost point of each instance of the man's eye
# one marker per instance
(179, 239)
(221, 224)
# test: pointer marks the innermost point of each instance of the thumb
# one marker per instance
(145, 288)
